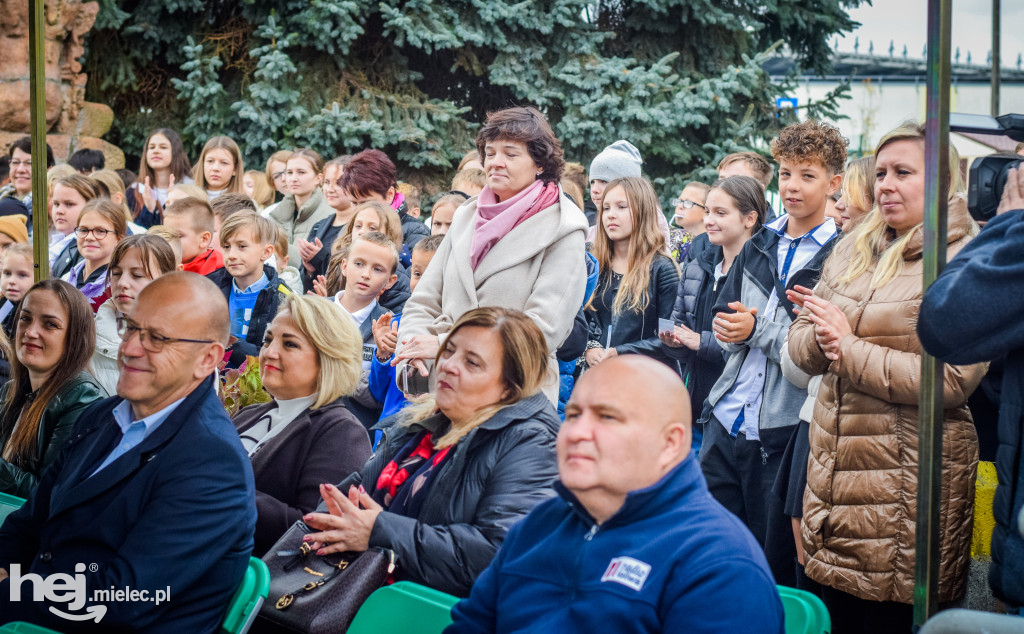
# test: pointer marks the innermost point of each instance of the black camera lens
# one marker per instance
(987, 179)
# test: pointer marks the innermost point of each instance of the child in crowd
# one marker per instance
(136, 261)
(13, 230)
(70, 194)
(736, 209)
(369, 270)
(413, 199)
(749, 164)
(192, 218)
(469, 182)
(224, 206)
(443, 213)
(751, 411)
(255, 186)
(111, 187)
(164, 163)
(315, 249)
(220, 167)
(689, 220)
(179, 192)
(371, 216)
(288, 274)
(172, 238)
(385, 336)
(253, 290)
(15, 280)
(101, 226)
(637, 283)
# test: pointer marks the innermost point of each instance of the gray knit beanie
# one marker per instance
(619, 160)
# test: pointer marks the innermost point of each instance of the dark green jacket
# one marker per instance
(54, 430)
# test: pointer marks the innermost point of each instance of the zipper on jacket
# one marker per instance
(593, 531)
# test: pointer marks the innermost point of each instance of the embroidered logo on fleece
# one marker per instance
(630, 572)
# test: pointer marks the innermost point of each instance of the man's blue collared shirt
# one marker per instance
(135, 431)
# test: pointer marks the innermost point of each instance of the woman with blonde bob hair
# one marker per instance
(310, 363)
(456, 470)
(638, 279)
(858, 329)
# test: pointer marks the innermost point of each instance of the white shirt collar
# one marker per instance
(820, 234)
(360, 315)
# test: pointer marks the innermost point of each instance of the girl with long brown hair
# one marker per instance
(637, 283)
(163, 165)
(49, 386)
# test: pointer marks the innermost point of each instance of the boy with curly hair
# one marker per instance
(752, 409)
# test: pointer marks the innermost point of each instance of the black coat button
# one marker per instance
(46, 557)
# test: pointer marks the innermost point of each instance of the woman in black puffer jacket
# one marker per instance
(455, 472)
(735, 210)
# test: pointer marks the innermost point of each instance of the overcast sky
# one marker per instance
(905, 22)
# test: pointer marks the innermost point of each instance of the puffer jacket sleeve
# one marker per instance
(895, 376)
(449, 558)
(681, 353)
(20, 482)
(663, 290)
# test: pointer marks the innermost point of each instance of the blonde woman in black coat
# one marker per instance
(309, 362)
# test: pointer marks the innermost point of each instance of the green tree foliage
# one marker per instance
(681, 79)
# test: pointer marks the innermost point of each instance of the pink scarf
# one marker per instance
(494, 219)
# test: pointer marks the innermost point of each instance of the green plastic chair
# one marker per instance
(245, 605)
(404, 607)
(20, 627)
(8, 505)
(805, 613)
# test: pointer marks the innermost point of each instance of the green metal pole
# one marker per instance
(930, 414)
(37, 105)
(996, 47)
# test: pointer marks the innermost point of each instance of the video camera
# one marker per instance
(988, 174)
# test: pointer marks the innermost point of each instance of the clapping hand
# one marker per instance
(831, 325)
(735, 327)
(347, 525)
(385, 335)
(308, 251)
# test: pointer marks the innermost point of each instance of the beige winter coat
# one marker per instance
(538, 268)
(297, 225)
(860, 504)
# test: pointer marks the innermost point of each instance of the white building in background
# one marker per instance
(886, 91)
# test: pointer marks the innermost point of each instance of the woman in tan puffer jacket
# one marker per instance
(858, 328)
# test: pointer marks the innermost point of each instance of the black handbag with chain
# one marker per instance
(320, 593)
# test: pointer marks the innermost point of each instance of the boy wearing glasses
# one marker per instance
(689, 218)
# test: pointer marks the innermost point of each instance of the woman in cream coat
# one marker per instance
(519, 245)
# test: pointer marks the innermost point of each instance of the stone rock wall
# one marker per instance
(71, 122)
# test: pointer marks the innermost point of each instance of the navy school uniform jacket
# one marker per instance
(672, 559)
(753, 276)
(262, 314)
(177, 510)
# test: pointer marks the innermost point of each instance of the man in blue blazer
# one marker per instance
(146, 521)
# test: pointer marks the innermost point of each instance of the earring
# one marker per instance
(539, 173)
